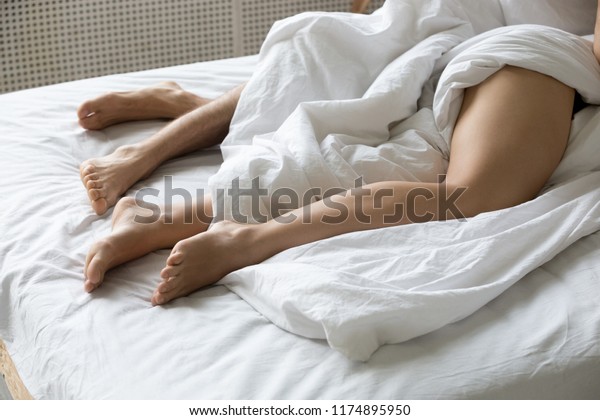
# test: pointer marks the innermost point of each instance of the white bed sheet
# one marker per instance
(540, 339)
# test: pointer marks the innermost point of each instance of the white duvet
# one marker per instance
(342, 97)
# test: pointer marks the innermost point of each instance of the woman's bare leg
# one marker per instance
(509, 138)
(107, 178)
(163, 100)
(137, 232)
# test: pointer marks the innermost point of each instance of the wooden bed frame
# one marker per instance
(16, 387)
(9, 372)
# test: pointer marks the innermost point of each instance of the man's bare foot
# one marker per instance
(164, 100)
(107, 178)
(205, 259)
(130, 239)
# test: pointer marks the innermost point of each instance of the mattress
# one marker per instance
(539, 339)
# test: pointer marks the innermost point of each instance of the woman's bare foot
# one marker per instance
(107, 178)
(205, 259)
(129, 239)
(164, 100)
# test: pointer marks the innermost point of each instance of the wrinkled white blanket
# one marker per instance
(337, 97)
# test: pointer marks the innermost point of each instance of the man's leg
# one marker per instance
(108, 177)
(164, 100)
(509, 138)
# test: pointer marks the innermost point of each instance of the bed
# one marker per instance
(538, 339)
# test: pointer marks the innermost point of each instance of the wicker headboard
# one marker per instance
(44, 42)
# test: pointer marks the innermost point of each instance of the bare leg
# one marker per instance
(131, 238)
(510, 136)
(108, 177)
(164, 100)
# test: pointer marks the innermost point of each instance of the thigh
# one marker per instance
(510, 136)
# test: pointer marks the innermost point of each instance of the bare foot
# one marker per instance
(107, 178)
(130, 239)
(164, 100)
(205, 259)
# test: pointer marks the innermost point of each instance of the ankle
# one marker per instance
(135, 153)
(140, 155)
(180, 102)
(260, 241)
(243, 242)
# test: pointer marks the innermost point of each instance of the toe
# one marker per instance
(92, 184)
(172, 289)
(93, 122)
(100, 206)
(169, 271)
(87, 169)
(94, 273)
(93, 106)
(156, 299)
(89, 114)
(167, 286)
(90, 177)
(89, 287)
(96, 193)
(160, 298)
(175, 258)
(85, 109)
(88, 259)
